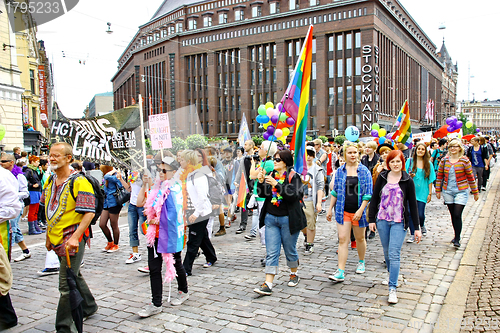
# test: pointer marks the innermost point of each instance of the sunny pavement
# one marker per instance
(222, 297)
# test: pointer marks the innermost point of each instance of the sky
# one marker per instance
(470, 37)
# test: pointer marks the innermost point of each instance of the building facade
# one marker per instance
(100, 104)
(485, 115)
(449, 86)
(227, 57)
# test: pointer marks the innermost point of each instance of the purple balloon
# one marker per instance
(265, 135)
(279, 107)
(450, 128)
(374, 133)
(478, 130)
(459, 124)
(290, 121)
(274, 119)
(270, 129)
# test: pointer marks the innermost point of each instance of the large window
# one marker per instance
(331, 96)
(340, 72)
(239, 15)
(32, 82)
(268, 76)
(313, 97)
(207, 21)
(340, 119)
(330, 44)
(358, 94)
(274, 51)
(340, 95)
(252, 77)
(313, 71)
(348, 41)
(293, 4)
(314, 46)
(357, 40)
(275, 76)
(357, 70)
(192, 24)
(256, 11)
(340, 42)
(348, 67)
(222, 18)
(348, 95)
(178, 27)
(290, 49)
(274, 7)
(313, 2)
(297, 48)
(330, 69)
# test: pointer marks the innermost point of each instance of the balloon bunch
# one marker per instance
(453, 124)
(276, 121)
(352, 133)
(380, 135)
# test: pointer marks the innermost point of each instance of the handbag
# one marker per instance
(121, 196)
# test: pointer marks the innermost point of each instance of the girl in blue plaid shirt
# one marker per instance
(352, 190)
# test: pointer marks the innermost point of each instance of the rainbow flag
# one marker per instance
(242, 192)
(403, 133)
(296, 102)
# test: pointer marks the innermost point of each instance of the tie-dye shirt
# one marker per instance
(391, 203)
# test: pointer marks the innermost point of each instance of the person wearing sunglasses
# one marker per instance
(454, 178)
(163, 208)
(282, 216)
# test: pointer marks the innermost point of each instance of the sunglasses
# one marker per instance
(165, 170)
(277, 159)
(6, 161)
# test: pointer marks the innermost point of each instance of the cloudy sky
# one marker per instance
(470, 38)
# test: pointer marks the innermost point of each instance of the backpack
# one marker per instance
(215, 194)
(98, 193)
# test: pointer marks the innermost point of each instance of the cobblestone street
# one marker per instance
(222, 297)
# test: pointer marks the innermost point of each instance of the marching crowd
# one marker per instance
(366, 188)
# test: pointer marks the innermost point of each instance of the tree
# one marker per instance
(308, 138)
(340, 140)
(178, 145)
(257, 140)
(196, 141)
(464, 120)
(323, 138)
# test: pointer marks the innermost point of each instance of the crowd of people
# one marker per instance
(366, 188)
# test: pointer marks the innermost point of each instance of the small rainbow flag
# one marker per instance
(296, 102)
(242, 192)
(403, 133)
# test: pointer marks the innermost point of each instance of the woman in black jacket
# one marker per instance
(394, 192)
(283, 217)
(33, 176)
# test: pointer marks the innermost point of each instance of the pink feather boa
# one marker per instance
(153, 213)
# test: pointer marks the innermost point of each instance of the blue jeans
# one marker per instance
(17, 235)
(277, 233)
(135, 215)
(392, 235)
(421, 216)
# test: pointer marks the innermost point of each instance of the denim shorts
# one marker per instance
(454, 196)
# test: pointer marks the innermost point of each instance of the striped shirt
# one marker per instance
(463, 171)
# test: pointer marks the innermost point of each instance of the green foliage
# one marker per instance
(257, 140)
(465, 130)
(196, 141)
(308, 138)
(323, 138)
(178, 145)
(149, 148)
(216, 139)
(340, 139)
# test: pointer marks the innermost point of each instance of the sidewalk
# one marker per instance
(222, 297)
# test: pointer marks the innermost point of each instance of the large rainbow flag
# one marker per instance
(296, 102)
(403, 133)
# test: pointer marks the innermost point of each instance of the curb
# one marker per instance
(452, 312)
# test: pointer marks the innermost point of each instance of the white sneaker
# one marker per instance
(134, 257)
(385, 281)
(410, 239)
(393, 296)
(23, 256)
(149, 311)
(181, 298)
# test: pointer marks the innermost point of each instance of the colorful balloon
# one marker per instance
(278, 133)
(290, 121)
(374, 133)
(265, 136)
(283, 116)
(269, 105)
(375, 126)
(2, 131)
(279, 107)
(382, 132)
(469, 124)
(352, 133)
(286, 131)
(459, 125)
(262, 119)
(478, 130)
(381, 140)
(269, 112)
(274, 119)
(262, 110)
(270, 130)
(266, 125)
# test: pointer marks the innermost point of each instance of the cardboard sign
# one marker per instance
(159, 131)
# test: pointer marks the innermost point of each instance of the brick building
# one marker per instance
(229, 56)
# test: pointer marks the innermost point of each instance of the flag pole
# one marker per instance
(141, 116)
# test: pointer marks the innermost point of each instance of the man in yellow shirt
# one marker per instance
(67, 227)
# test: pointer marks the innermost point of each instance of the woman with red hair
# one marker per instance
(33, 176)
(394, 191)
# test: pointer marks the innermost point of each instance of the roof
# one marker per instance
(445, 58)
(169, 5)
(110, 93)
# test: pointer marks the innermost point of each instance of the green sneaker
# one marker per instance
(361, 268)
(338, 276)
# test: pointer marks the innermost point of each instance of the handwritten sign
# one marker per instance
(424, 136)
(159, 131)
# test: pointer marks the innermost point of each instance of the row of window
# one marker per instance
(269, 28)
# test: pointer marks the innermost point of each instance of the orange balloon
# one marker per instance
(281, 125)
